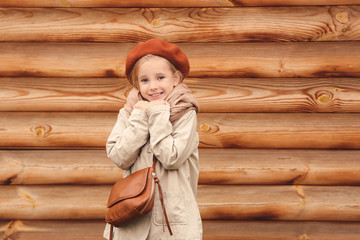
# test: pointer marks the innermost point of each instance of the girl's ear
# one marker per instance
(177, 78)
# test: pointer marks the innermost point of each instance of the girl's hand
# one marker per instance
(158, 102)
(143, 105)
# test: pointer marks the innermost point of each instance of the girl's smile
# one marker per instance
(156, 95)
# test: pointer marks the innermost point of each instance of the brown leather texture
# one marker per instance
(131, 197)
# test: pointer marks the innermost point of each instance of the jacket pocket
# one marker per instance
(175, 209)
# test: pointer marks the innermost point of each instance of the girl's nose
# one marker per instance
(153, 85)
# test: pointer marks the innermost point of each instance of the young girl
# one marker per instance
(159, 119)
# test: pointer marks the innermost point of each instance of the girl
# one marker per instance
(159, 119)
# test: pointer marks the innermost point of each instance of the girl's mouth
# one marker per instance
(155, 95)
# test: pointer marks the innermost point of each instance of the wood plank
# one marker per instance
(227, 130)
(279, 202)
(277, 94)
(261, 130)
(213, 230)
(63, 94)
(172, 3)
(226, 166)
(320, 203)
(276, 230)
(213, 94)
(55, 130)
(62, 59)
(271, 24)
(301, 59)
(52, 230)
(57, 167)
(274, 166)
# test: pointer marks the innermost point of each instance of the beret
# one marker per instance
(160, 48)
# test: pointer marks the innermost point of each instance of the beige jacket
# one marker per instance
(131, 146)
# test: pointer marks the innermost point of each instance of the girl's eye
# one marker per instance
(144, 80)
(161, 77)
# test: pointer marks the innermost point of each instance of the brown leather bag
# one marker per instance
(133, 196)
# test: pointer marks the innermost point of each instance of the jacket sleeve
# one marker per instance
(127, 137)
(172, 145)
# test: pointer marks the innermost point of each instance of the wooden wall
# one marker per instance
(278, 83)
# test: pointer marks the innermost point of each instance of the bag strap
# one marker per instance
(157, 181)
(111, 232)
(154, 162)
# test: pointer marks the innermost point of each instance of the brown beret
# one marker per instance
(158, 47)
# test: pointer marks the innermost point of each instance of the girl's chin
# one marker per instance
(155, 98)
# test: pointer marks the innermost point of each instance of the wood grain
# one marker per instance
(215, 202)
(213, 230)
(57, 167)
(217, 166)
(301, 59)
(63, 59)
(271, 24)
(257, 130)
(275, 166)
(52, 230)
(172, 3)
(277, 94)
(63, 94)
(213, 94)
(227, 130)
(55, 130)
(280, 230)
(279, 202)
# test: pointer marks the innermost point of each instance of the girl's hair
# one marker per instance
(133, 78)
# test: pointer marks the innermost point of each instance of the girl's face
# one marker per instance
(156, 79)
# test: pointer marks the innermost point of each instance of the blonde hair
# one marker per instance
(134, 74)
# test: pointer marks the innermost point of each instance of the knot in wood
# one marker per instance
(338, 89)
(324, 97)
(304, 237)
(41, 130)
(11, 228)
(342, 17)
(155, 22)
(28, 198)
(208, 128)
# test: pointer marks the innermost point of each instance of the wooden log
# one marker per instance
(260, 130)
(55, 130)
(279, 202)
(270, 166)
(272, 24)
(62, 60)
(57, 167)
(54, 202)
(325, 203)
(277, 94)
(301, 59)
(213, 94)
(213, 230)
(276, 230)
(226, 166)
(52, 230)
(227, 130)
(172, 3)
(63, 94)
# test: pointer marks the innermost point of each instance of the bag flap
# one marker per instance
(128, 187)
